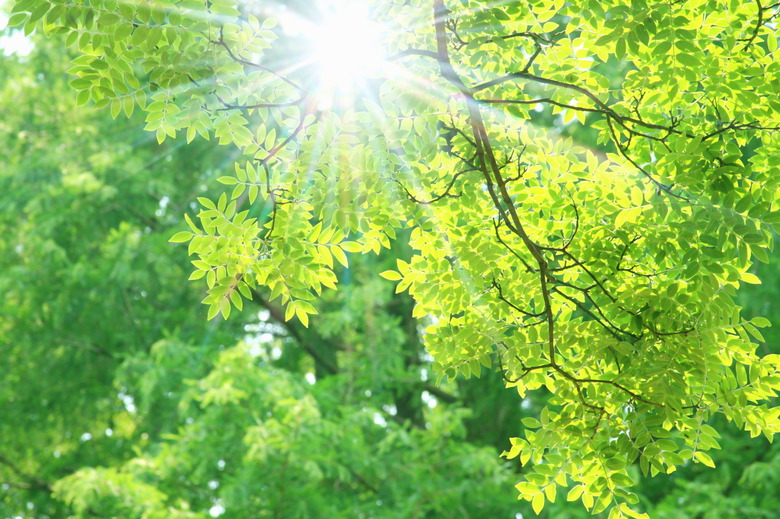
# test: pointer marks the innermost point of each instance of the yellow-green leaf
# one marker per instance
(350, 246)
(627, 215)
(575, 493)
(538, 503)
(703, 457)
(550, 491)
(391, 275)
(338, 253)
(747, 277)
(303, 317)
(289, 311)
(180, 237)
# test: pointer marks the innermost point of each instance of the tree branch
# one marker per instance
(278, 316)
(31, 482)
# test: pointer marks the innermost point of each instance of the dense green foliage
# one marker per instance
(599, 283)
(120, 400)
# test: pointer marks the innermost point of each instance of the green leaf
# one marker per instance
(17, 19)
(575, 493)
(704, 458)
(289, 311)
(550, 492)
(391, 275)
(180, 237)
(688, 60)
(537, 503)
(350, 246)
(627, 215)
(305, 306)
(338, 253)
(760, 322)
(303, 317)
(224, 307)
(531, 423)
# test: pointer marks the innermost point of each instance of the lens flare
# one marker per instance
(347, 52)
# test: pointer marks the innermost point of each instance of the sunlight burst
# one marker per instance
(347, 52)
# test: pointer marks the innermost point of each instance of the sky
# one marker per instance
(12, 41)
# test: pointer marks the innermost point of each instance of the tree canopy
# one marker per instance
(595, 264)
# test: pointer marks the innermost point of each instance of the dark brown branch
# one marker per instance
(537, 38)
(620, 119)
(503, 202)
(439, 393)
(436, 198)
(496, 226)
(529, 63)
(413, 52)
(567, 243)
(221, 42)
(360, 479)
(539, 79)
(609, 327)
(668, 334)
(512, 305)
(578, 388)
(490, 166)
(278, 316)
(97, 350)
(526, 370)
(743, 126)
(620, 268)
(759, 23)
(30, 481)
(660, 185)
(235, 106)
(590, 275)
(576, 224)
(634, 395)
(276, 149)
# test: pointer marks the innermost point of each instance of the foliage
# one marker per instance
(607, 280)
(117, 397)
(88, 278)
(268, 447)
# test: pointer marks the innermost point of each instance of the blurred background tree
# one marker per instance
(119, 399)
